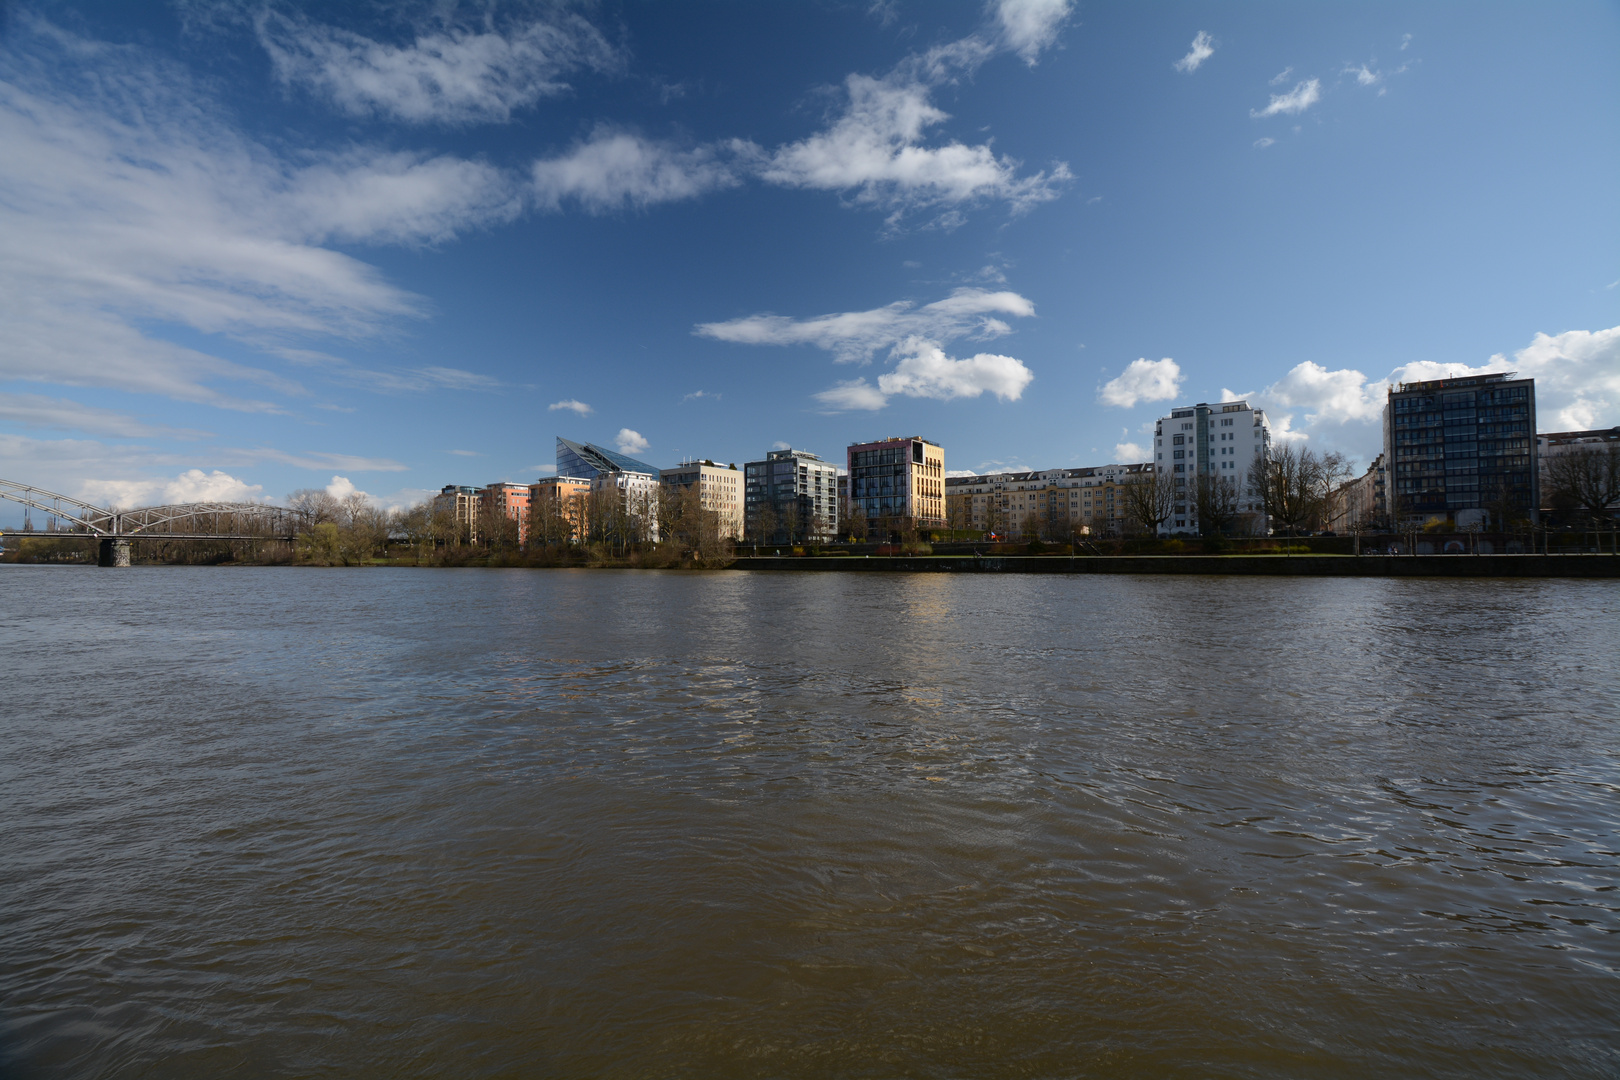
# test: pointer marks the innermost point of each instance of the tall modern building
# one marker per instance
(461, 504)
(719, 487)
(1219, 441)
(587, 461)
(802, 492)
(1462, 450)
(898, 478)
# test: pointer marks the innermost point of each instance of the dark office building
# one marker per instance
(1462, 450)
(802, 492)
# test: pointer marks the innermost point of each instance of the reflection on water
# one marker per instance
(426, 823)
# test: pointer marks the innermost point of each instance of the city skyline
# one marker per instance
(253, 248)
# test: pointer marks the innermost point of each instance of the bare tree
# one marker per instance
(765, 523)
(315, 505)
(1215, 500)
(1294, 486)
(1147, 498)
(854, 524)
(1586, 477)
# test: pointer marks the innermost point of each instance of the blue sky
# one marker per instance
(251, 248)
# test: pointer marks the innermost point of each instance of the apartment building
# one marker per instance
(720, 490)
(1554, 444)
(1219, 442)
(800, 492)
(1054, 504)
(1457, 448)
(507, 500)
(562, 504)
(460, 504)
(902, 477)
(1360, 505)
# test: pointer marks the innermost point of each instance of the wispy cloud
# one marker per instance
(132, 200)
(38, 411)
(464, 453)
(702, 395)
(453, 74)
(1263, 142)
(619, 170)
(1029, 27)
(855, 336)
(1296, 101)
(1203, 47)
(572, 406)
(1282, 76)
(1142, 380)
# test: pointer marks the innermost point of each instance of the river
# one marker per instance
(470, 823)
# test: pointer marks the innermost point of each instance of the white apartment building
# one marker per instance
(1054, 503)
(625, 507)
(1223, 440)
(720, 489)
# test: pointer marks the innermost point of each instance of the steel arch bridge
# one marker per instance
(115, 529)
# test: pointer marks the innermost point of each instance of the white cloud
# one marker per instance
(1203, 47)
(35, 410)
(874, 149)
(615, 170)
(1130, 453)
(630, 442)
(1281, 76)
(453, 75)
(341, 488)
(132, 200)
(465, 453)
(573, 406)
(1406, 40)
(193, 485)
(701, 395)
(1365, 75)
(1262, 143)
(1296, 101)
(1029, 26)
(924, 371)
(1577, 377)
(1142, 380)
(780, 445)
(855, 336)
(856, 394)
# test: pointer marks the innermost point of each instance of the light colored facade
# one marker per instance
(509, 501)
(624, 507)
(720, 489)
(461, 504)
(802, 491)
(1054, 504)
(1551, 444)
(1359, 505)
(898, 478)
(1220, 441)
(570, 495)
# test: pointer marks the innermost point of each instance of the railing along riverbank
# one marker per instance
(1513, 566)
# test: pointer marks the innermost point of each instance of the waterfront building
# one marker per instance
(1219, 444)
(624, 507)
(1055, 504)
(1554, 444)
(461, 505)
(1462, 450)
(790, 496)
(1360, 505)
(560, 507)
(587, 460)
(719, 487)
(898, 478)
(509, 501)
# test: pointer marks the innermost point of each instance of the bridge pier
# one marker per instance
(113, 552)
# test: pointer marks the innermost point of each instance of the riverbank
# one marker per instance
(1534, 566)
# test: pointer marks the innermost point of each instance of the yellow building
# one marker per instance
(1054, 504)
(559, 508)
(720, 489)
(898, 478)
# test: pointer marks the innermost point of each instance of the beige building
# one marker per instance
(898, 478)
(1054, 504)
(462, 505)
(568, 499)
(720, 488)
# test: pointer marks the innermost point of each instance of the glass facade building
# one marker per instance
(898, 478)
(588, 461)
(802, 492)
(1462, 450)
